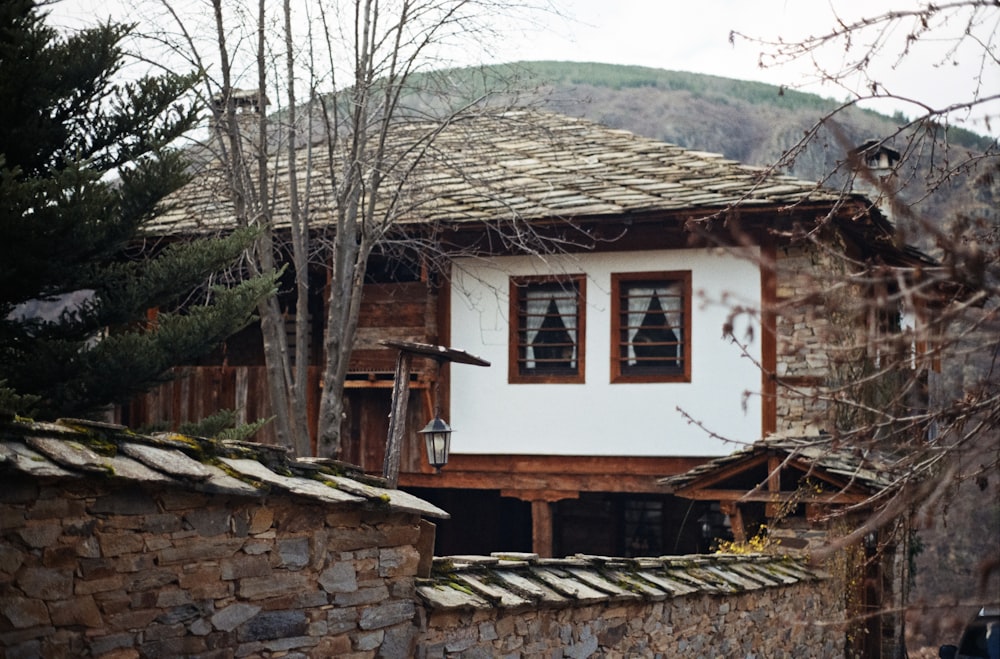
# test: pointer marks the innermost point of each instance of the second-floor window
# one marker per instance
(651, 327)
(547, 329)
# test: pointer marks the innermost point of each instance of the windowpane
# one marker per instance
(546, 323)
(651, 318)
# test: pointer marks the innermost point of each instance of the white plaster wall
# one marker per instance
(597, 417)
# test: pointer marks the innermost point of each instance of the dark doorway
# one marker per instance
(613, 524)
(481, 521)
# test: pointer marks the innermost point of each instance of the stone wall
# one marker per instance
(92, 570)
(810, 340)
(685, 607)
(768, 624)
(121, 546)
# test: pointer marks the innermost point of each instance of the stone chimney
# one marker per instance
(246, 106)
(873, 166)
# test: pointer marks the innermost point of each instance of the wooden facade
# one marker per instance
(401, 311)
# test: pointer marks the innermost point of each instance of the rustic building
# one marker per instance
(797, 495)
(603, 350)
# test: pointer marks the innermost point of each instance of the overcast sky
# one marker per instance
(693, 35)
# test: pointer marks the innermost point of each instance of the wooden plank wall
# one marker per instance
(196, 392)
(400, 311)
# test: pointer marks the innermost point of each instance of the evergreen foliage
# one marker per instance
(84, 162)
(224, 424)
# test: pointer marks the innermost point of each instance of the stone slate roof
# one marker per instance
(867, 469)
(78, 449)
(511, 581)
(521, 165)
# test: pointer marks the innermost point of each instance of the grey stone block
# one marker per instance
(273, 625)
(233, 616)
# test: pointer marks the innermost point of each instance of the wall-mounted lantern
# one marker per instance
(437, 434)
(437, 437)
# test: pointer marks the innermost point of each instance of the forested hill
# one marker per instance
(748, 121)
(754, 123)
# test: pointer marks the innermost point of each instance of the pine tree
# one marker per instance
(84, 161)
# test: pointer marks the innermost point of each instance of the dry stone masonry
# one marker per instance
(588, 606)
(115, 545)
(123, 546)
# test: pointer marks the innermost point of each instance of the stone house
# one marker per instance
(611, 368)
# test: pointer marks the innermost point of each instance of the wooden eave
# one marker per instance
(638, 231)
(701, 488)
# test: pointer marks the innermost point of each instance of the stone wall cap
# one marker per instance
(484, 582)
(83, 449)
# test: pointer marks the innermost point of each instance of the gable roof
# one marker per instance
(848, 474)
(516, 165)
(79, 449)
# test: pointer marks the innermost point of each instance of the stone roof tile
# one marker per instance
(539, 164)
(872, 471)
(512, 581)
(80, 449)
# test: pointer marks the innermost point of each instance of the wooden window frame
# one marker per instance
(620, 374)
(518, 285)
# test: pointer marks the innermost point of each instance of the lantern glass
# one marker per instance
(437, 436)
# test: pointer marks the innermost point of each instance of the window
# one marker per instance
(546, 329)
(651, 327)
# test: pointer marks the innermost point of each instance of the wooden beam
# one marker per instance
(778, 497)
(382, 384)
(532, 473)
(774, 474)
(540, 495)
(768, 335)
(397, 418)
(541, 528)
(722, 473)
(819, 473)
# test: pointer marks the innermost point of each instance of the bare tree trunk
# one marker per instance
(344, 307)
(276, 355)
(251, 208)
(300, 252)
(383, 46)
(356, 222)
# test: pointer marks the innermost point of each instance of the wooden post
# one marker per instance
(735, 520)
(397, 418)
(774, 508)
(541, 528)
(768, 335)
(401, 395)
